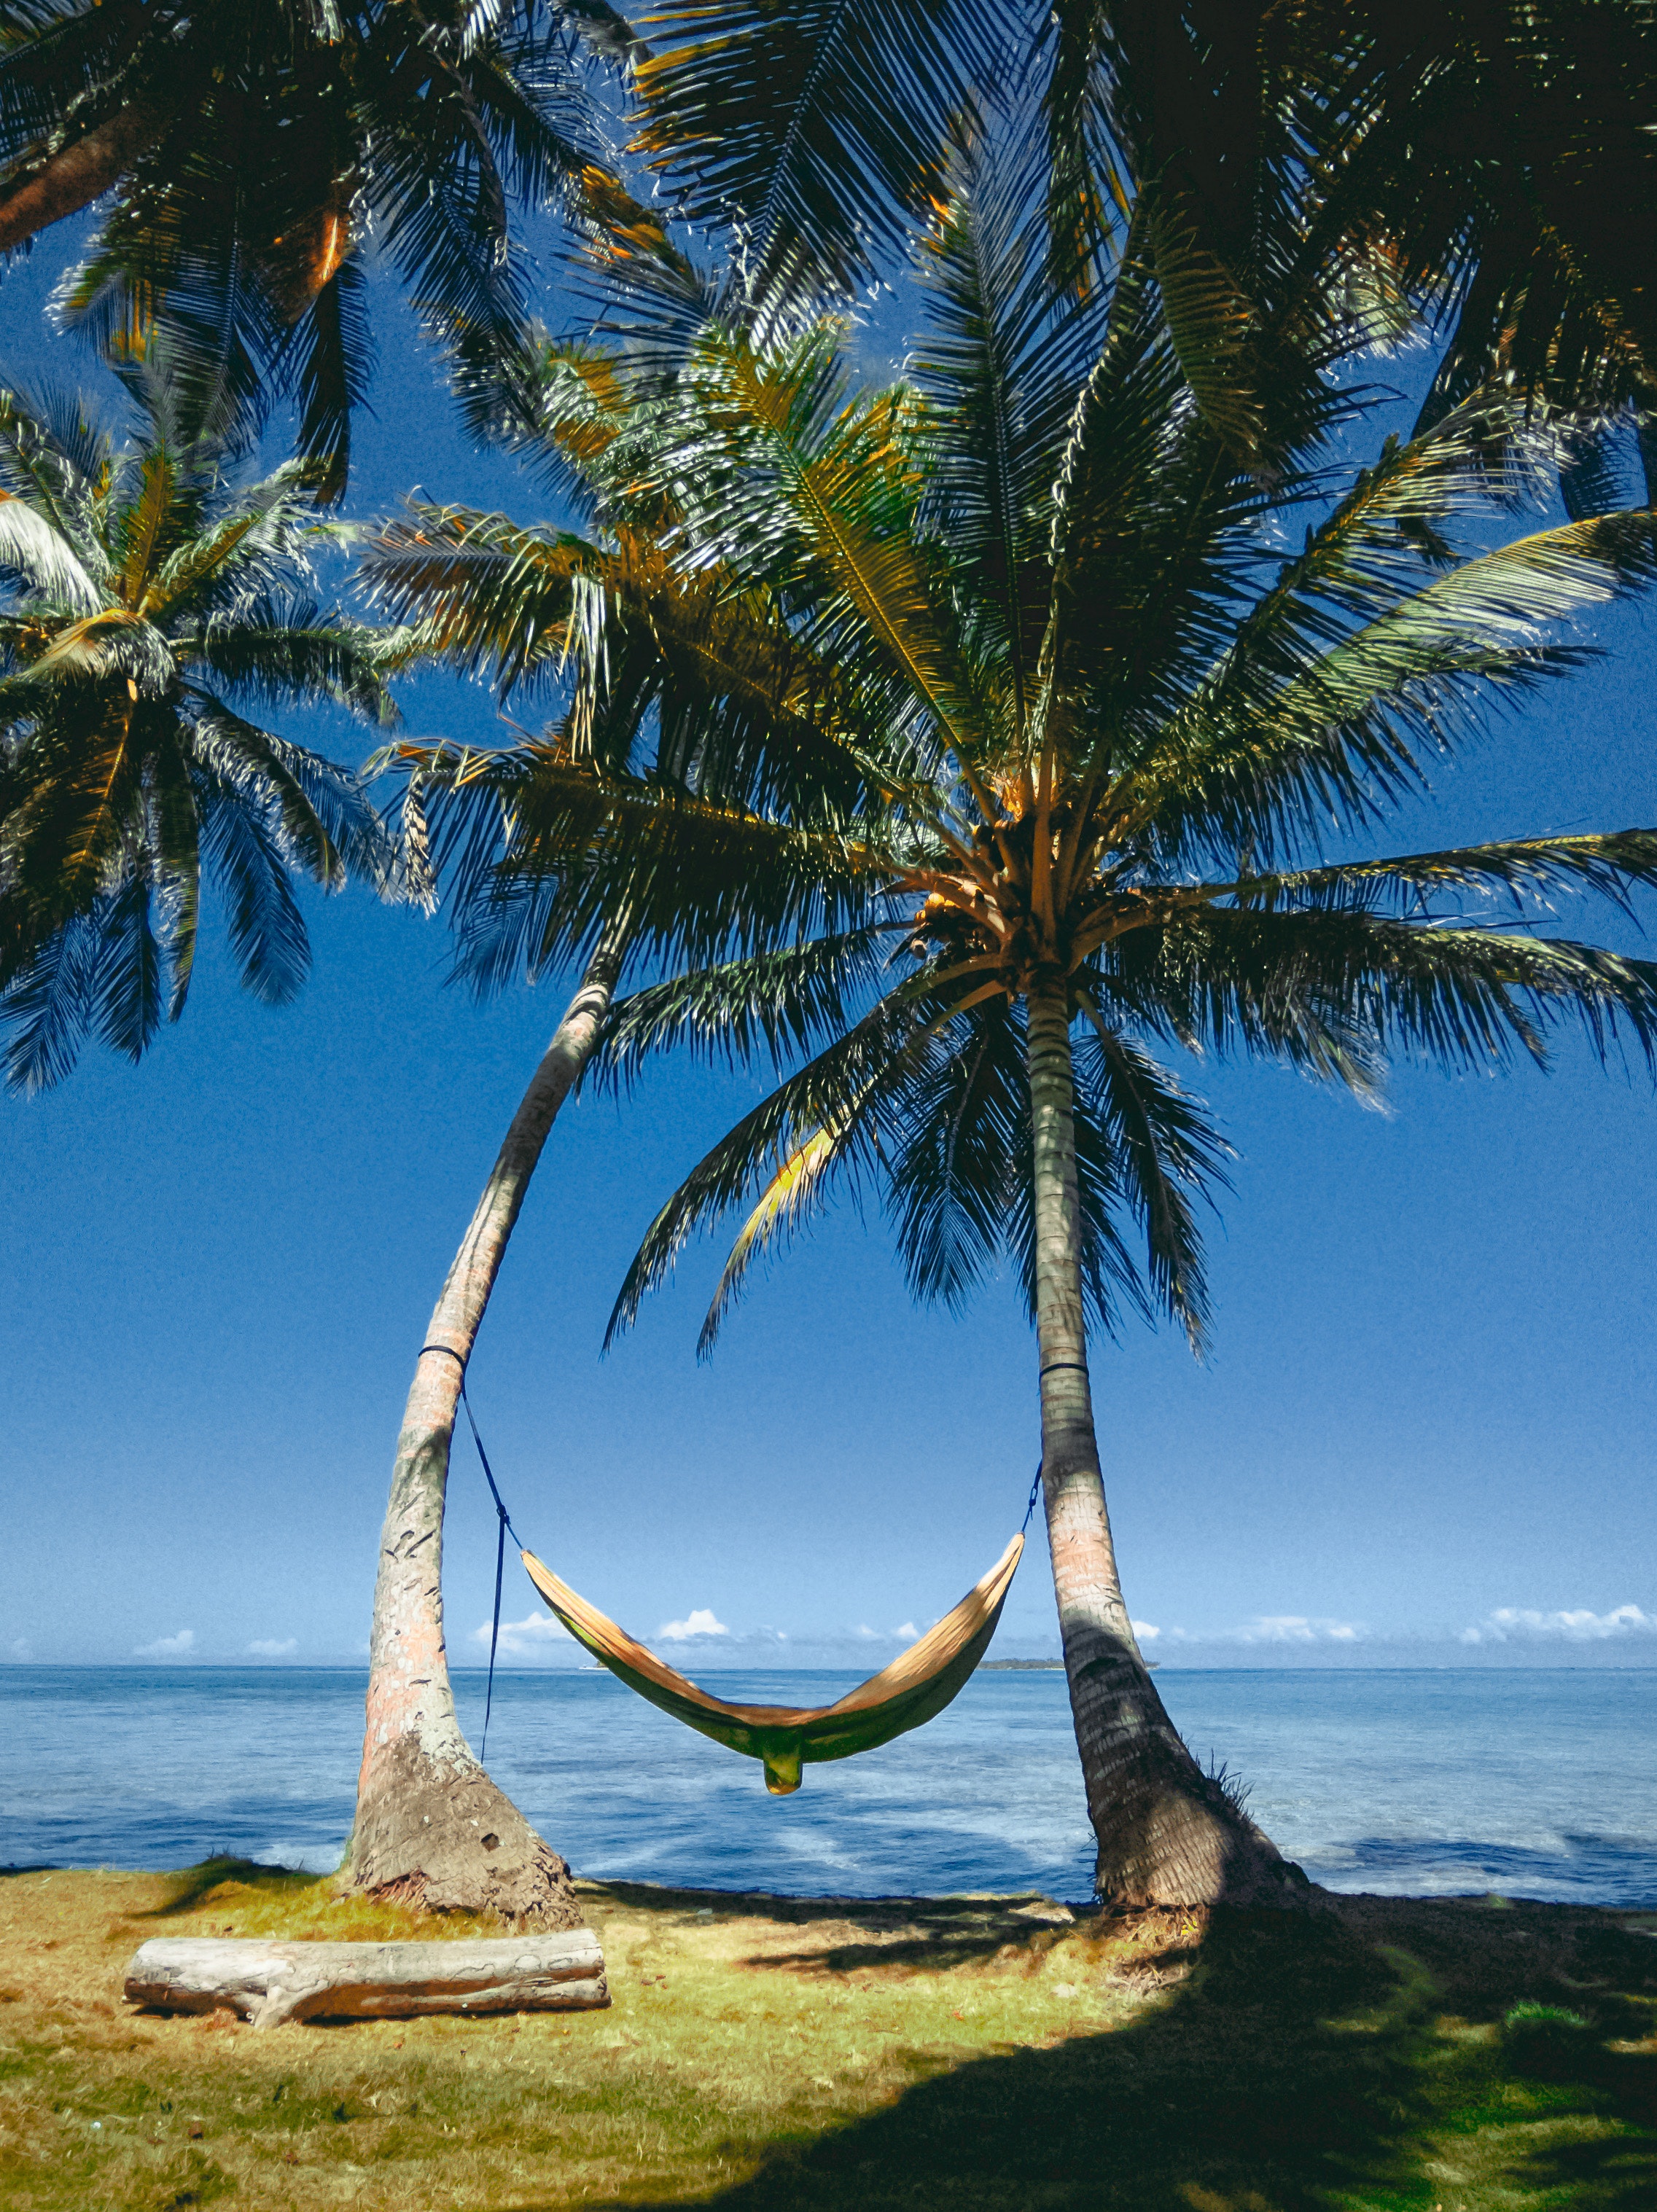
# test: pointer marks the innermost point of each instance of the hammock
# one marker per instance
(918, 1684)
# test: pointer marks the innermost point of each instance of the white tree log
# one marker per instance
(268, 1980)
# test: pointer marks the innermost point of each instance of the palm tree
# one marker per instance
(1490, 163)
(152, 600)
(673, 688)
(1101, 718)
(257, 148)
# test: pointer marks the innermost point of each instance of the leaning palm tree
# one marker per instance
(152, 603)
(672, 690)
(254, 150)
(1101, 718)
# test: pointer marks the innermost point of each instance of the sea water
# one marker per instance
(1539, 1784)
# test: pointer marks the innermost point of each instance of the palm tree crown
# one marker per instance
(1044, 707)
(257, 149)
(150, 597)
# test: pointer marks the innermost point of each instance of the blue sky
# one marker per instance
(1424, 1434)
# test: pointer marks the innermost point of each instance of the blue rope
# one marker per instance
(1035, 1492)
(504, 1523)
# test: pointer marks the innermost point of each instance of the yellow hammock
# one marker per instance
(918, 1684)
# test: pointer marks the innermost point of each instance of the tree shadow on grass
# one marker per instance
(189, 1887)
(931, 1934)
(1347, 2058)
(1608, 2174)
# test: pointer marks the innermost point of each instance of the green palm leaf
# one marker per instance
(820, 126)
(120, 770)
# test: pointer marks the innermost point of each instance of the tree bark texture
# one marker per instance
(1167, 1834)
(269, 1982)
(431, 1827)
(77, 174)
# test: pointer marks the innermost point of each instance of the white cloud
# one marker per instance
(22, 1648)
(1295, 1628)
(701, 1622)
(272, 1647)
(866, 1634)
(1510, 1623)
(908, 1632)
(167, 1647)
(1144, 1631)
(518, 1637)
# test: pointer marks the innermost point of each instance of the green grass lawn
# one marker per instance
(797, 2054)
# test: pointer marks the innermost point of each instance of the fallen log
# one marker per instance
(268, 1980)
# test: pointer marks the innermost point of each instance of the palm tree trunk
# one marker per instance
(1167, 1833)
(431, 1827)
(78, 175)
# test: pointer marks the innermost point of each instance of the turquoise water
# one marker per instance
(1532, 1783)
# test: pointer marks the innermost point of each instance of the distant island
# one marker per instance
(1035, 1666)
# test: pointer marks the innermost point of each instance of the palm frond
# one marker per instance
(1340, 991)
(1089, 181)
(488, 597)
(285, 648)
(248, 860)
(999, 365)
(52, 455)
(237, 760)
(954, 1186)
(842, 489)
(1169, 1153)
(838, 1091)
(49, 1005)
(130, 985)
(817, 129)
(1527, 867)
(796, 1190)
(1342, 730)
(784, 1002)
(542, 847)
(43, 558)
(329, 362)
(1211, 324)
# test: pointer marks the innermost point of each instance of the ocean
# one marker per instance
(1529, 1783)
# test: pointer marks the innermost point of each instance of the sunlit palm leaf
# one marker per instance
(43, 556)
(794, 1193)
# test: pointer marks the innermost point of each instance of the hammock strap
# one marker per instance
(1035, 1492)
(503, 1522)
(1080, 1366)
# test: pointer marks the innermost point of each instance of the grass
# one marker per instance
(834, 2055)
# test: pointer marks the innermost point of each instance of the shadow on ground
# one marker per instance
(923, 1934)
(1390, 2055)
(188, 1888)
